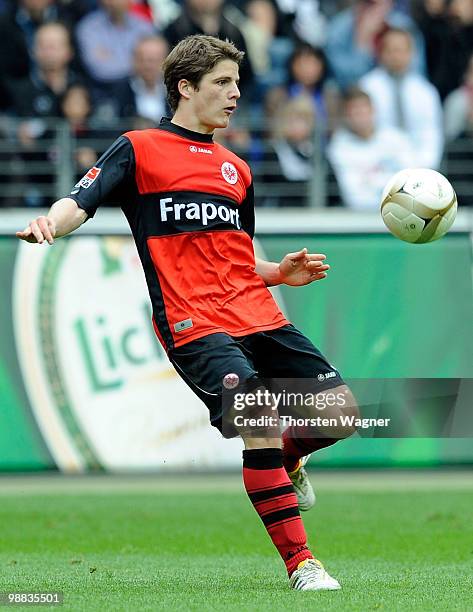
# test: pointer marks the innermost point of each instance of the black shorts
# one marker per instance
(279, 353)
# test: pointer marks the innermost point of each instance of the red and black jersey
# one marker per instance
(189, 203)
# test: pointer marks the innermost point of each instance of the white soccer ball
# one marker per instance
(418, 205)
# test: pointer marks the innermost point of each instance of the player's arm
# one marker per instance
(64, 217)
(98, 186)
(295, 269)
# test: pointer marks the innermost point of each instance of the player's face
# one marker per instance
(215, 99)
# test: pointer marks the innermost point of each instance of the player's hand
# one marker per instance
(39, 230)
(302, 268)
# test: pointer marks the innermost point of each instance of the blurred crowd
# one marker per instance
(348, 90)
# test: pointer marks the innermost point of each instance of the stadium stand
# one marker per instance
(57, 117)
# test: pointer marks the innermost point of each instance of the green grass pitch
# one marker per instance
(395, 541)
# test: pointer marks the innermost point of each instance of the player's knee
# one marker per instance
(260, 432)
(257, 422)
(342, 415)
(350, 412)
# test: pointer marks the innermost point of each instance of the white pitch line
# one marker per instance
(177, 484)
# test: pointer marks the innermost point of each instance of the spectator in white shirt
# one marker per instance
(458, 106)
(306, 19)
(353, 37)
(363, 156)
(405, 99)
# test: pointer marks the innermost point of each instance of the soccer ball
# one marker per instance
(418, 205)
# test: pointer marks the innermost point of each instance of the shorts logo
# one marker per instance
(326, 376)
(194, 149)
(229, 173)
(230, 381)
(90, 177)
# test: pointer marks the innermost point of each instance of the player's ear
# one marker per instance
(185, 88)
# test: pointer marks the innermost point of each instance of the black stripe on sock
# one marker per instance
(280, 515)
(262, 458)
(270, 493)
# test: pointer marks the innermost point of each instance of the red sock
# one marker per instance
(298, 442)
(273, 497)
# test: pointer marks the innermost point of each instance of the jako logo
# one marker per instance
(229, 173)
(194, 149)
(204, 211)
(326, 376)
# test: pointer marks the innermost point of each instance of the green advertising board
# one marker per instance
(84, 384)
(388, 310)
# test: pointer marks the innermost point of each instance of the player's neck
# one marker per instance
(193, 124)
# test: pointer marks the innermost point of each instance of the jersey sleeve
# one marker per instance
(247, 212)
(102, 183)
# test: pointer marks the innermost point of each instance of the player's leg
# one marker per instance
(272, 494)
(300, 441)
(204, 365)
(286, 353)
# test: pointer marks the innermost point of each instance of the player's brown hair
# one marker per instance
(192, 58)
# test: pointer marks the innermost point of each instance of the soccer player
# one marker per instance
(189, 203)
